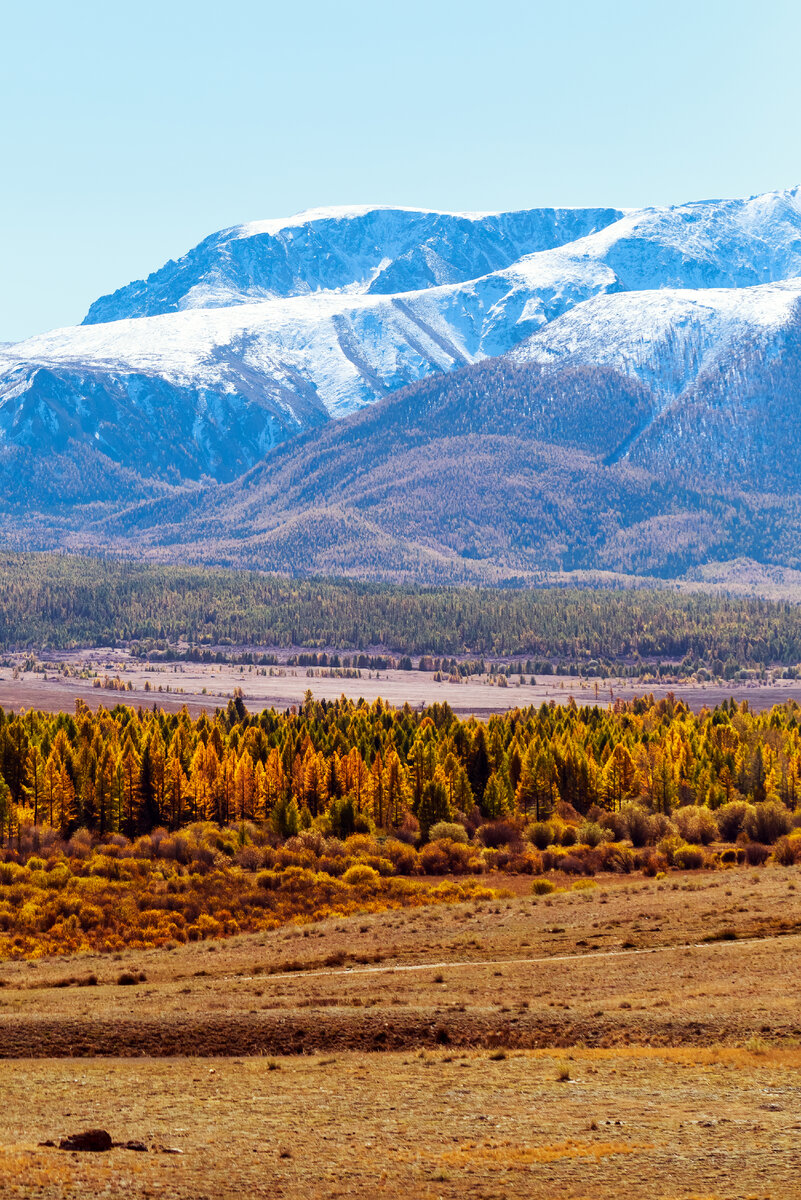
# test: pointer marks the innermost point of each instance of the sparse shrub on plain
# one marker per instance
(542, 887)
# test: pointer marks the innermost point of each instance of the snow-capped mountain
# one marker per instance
(377, 250)
(668, 338)
(657, 345)
(275, 327)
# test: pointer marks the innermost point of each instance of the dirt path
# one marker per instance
(520, 962)
(314, 1023)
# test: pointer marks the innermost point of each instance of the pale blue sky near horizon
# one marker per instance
(131, 131)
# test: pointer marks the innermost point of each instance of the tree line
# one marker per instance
(344, 767)
(50, 601)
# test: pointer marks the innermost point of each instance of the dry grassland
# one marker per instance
(590, 1043)
(638, 1123)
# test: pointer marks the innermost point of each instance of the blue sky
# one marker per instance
(132, 130)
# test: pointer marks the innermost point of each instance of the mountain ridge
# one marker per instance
(622, 385)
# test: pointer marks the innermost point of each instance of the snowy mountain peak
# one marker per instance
(357, 249)
(341, 212)
(276, 327)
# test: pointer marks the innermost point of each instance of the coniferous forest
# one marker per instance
(348, 767)
(60, 602)
(240, 821)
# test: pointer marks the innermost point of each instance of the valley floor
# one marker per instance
(637, 1037)
(199, 686)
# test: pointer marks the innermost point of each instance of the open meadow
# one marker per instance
(101, 677)
(637, 1035)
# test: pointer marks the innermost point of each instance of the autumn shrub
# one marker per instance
(313, 839)
(590, 833)
(448, 829)
(696, 824)
(516, 863)
(732, 817)
(616, 858)
(567, 834)
(641, 826)
(542, 887)
(361, 875)
(359, 844)
(299, 857)
(787, 851)
(409, 830)
(403, 857)
(490, 858)
(566, 813)
(572, 864)
(248, 857)
(756, 854)
(613, 823)
(498, 833)
(540, 834)
(668, 845)
(650, 862)
(206, 926)
(445, 857)
(80, 844)
(767, 822)
(270, 880)
(688, 858)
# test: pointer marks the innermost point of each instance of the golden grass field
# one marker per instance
(589, 1043)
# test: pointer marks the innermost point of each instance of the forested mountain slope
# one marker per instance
(495, 472)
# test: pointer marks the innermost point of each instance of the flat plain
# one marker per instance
(639, 1037)
(205, 686)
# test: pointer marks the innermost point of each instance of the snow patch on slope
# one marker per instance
(665, 338)
(349, 349)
